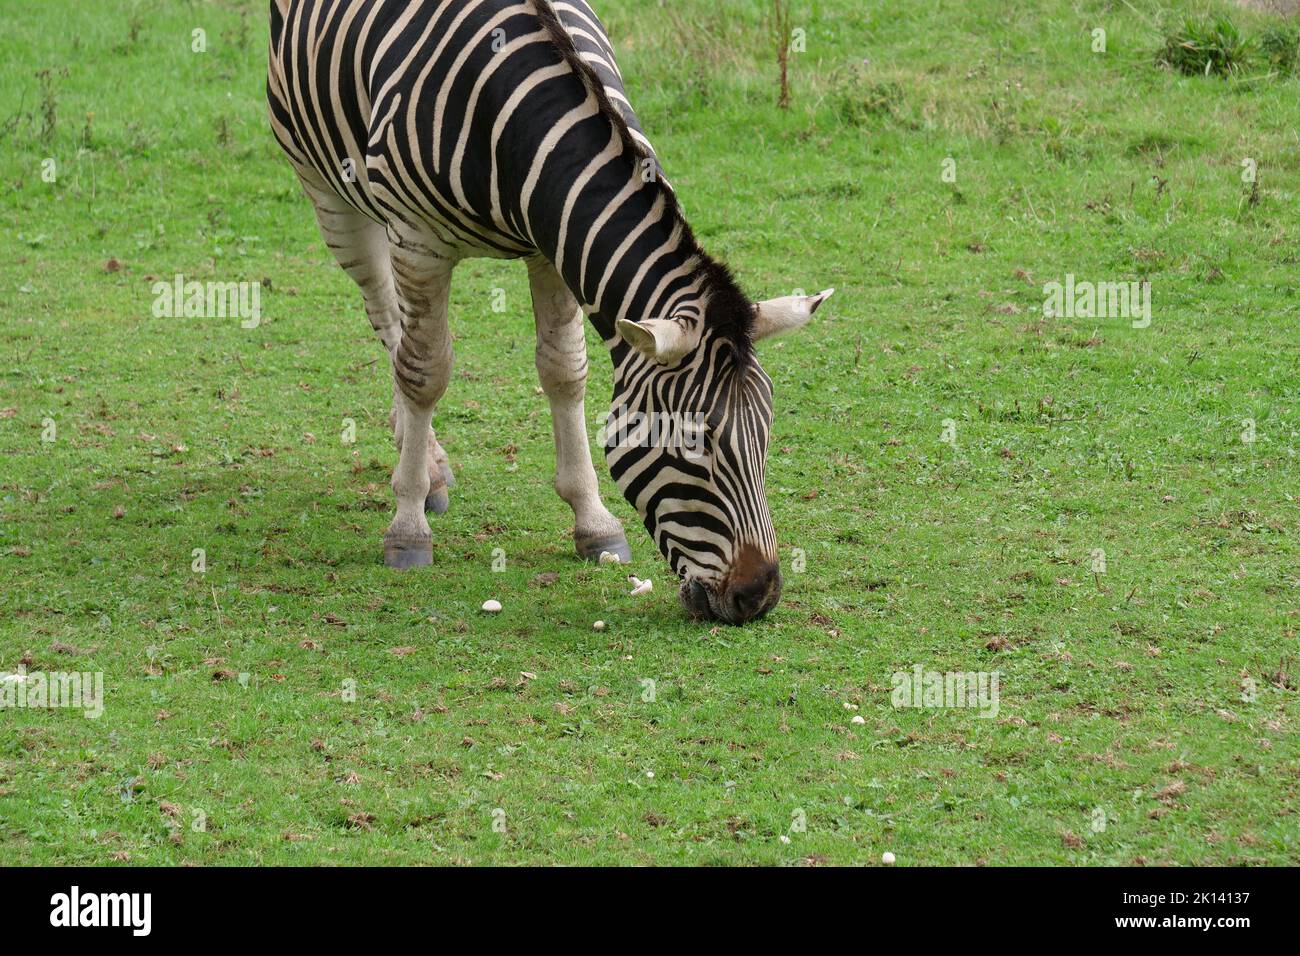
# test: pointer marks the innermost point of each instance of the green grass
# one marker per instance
(1121, 691)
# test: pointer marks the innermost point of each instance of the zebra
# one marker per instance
(429, 131)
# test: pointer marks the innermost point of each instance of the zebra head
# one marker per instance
(686, 442)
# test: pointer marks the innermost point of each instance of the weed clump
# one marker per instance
(1205, 46)
(857, 100)
(1280, 47)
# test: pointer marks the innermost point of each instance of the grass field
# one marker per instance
(946, 459)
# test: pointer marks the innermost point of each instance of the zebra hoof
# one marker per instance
(437, 500)
(403, 553)
(592, 549)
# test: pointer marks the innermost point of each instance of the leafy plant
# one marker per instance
(48, 81)
(1204, 46)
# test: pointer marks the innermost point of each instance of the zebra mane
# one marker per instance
(729, 311)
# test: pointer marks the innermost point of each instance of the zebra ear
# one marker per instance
(662, 340)
(774, 316)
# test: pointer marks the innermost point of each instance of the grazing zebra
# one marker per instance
(428, 131)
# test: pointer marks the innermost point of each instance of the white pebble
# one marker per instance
(491, 606)
(650, 774)
(609, 557)
(598, 626)
(887, 858)
(858, 719)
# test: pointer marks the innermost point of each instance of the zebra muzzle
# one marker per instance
(740, 599)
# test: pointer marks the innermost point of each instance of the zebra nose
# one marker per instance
(755, 594)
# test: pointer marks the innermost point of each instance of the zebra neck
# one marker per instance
(620, 242)
(659, 285)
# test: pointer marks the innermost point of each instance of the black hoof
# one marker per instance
(594, 548)
(437, 500)
(403, 553)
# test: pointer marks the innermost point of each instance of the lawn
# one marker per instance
(1102, 511)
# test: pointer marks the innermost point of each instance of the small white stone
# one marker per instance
(491, 606)
(609, 557)
(650, 774)
(598, 626)
(887, 858)
(858, 719)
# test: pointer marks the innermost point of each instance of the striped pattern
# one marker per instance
(427, 131)
(695, 505)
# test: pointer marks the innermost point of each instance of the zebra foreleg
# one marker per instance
(421, 370)
(562, 368)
